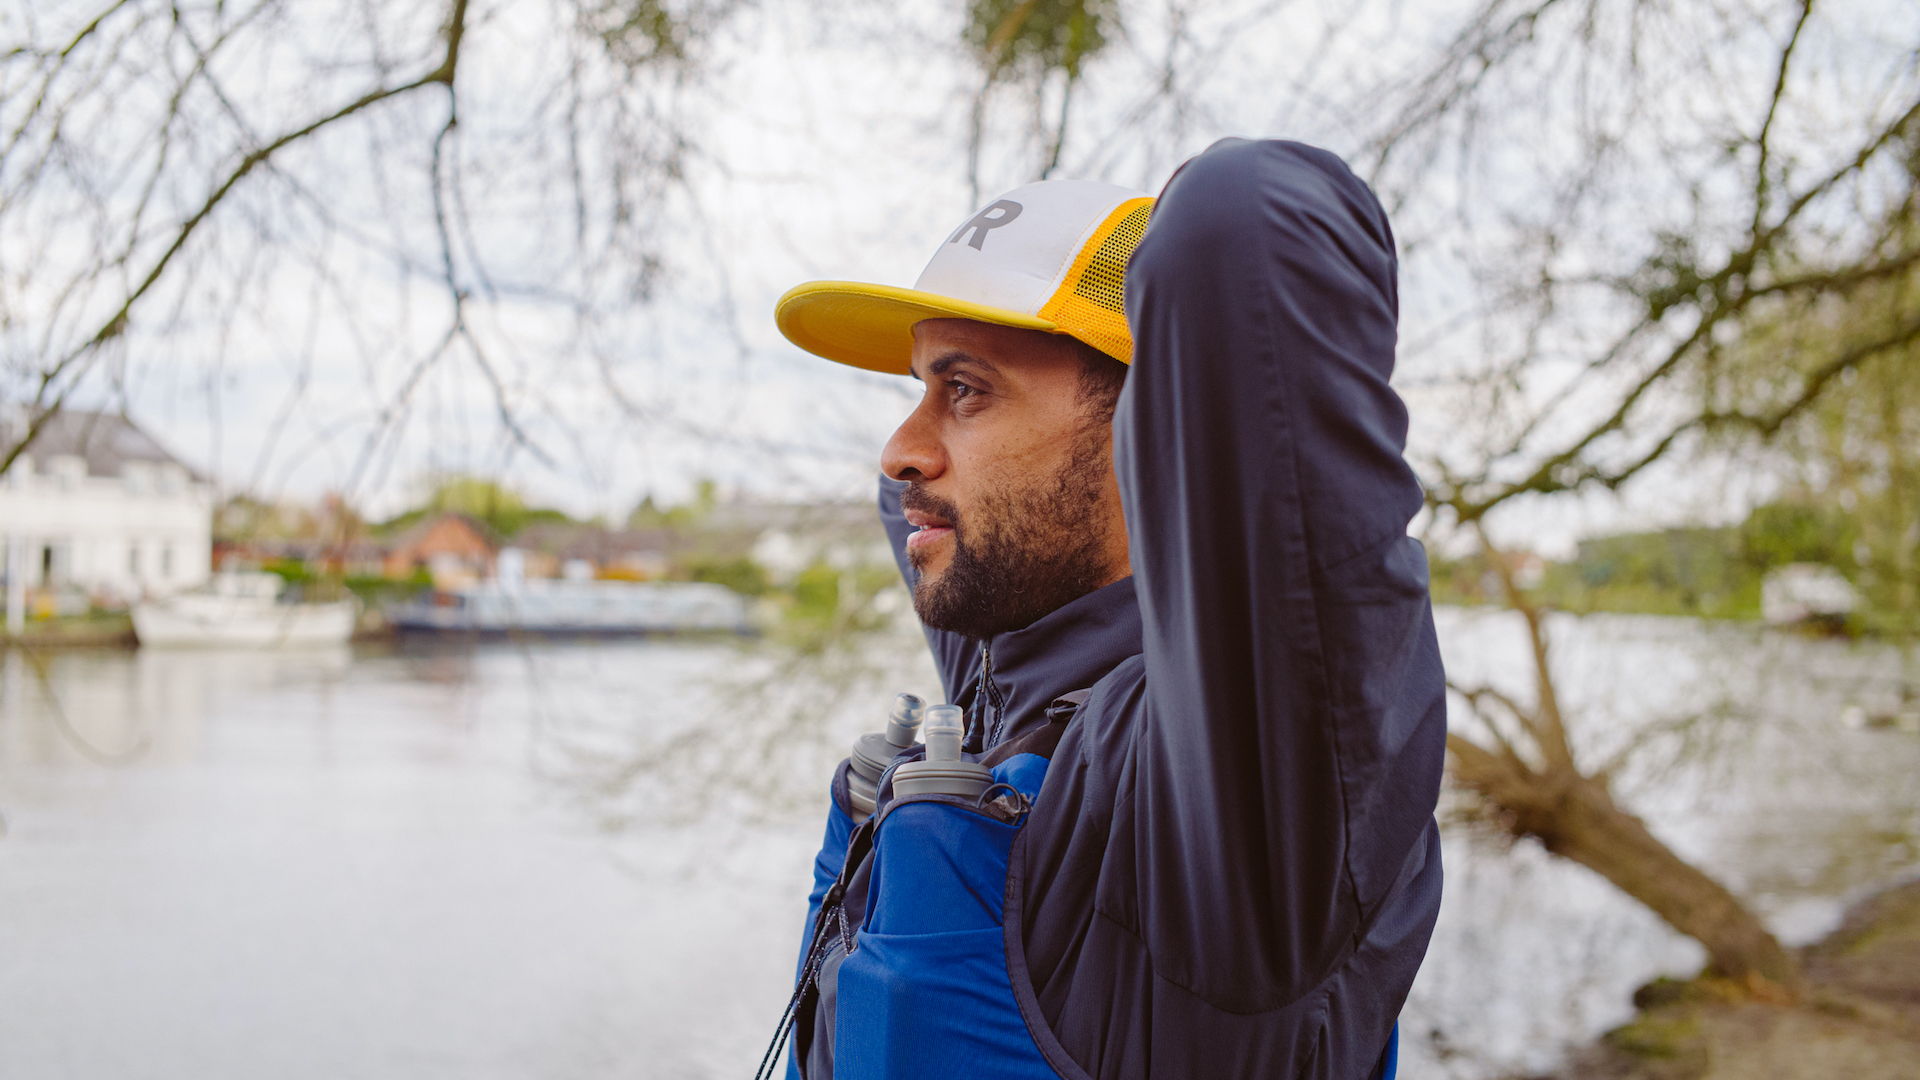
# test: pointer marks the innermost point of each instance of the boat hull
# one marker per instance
(577, 608)
(187, 622)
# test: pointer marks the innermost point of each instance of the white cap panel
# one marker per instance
(1014, 251)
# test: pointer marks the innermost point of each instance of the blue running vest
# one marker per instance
(926, 993)
(922, 991)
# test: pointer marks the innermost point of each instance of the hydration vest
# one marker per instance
(905, 974)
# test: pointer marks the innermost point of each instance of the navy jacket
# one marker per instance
(1234, 868)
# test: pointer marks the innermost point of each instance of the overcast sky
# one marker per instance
(814, 141)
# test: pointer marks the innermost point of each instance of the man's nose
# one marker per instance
(914, 453)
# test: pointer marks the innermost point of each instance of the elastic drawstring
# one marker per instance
(1017, 801)
(809, 973)
(832, 910)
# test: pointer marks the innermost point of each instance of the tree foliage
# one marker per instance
(328, 178)
(1853, 455)
(1633, 191)
(1038, 47)
(1646, 232)
(489, 502)
(1033, 38)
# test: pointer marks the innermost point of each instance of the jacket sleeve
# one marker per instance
(1289, 758)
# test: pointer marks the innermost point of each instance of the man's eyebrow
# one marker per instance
(952, 358)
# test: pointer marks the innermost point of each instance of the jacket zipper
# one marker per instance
(990, 699)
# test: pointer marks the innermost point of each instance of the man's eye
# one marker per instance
(961, 391)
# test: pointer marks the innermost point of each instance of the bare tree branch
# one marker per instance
(44, 407)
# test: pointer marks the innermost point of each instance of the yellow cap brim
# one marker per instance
(871, 326)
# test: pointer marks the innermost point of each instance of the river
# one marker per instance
(589, 859)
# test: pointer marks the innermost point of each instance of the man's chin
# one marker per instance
(931, 561)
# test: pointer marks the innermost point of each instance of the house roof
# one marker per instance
(108, 441)
(728, 530)
(811, 518)
(594, 542)
(419, 531)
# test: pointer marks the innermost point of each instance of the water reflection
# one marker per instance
(588, 859)
(327, 865)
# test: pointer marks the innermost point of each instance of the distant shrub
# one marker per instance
(293, 571)
(816, 592)
(742, 575)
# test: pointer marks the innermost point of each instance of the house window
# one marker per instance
(56, 563)
(133, 559)
(166, 560)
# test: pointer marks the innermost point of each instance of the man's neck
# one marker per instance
(1068, 649)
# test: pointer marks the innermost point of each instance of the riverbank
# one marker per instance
(1860, 1018)
(114, 630)
(107, 630)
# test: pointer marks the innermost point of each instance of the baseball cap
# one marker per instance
(1047, 256)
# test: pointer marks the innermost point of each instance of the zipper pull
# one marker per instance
(982, 701)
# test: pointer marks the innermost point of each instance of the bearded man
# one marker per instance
(1152, 509)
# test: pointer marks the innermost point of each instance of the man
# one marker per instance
(1189, 631)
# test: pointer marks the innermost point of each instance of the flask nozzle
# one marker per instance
(944, 772)
(875, 750)
(903, 723)
(945, 728)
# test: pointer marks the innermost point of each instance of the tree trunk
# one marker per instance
(1575, 817)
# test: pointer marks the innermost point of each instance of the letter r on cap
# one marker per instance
(984, 220)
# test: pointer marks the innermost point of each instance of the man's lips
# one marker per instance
(931, 529)
(928, 534)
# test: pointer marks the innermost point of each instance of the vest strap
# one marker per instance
(833, 913)
(1041, 741)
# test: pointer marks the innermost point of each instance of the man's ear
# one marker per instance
(1101, 380)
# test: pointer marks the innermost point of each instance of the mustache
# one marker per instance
(917, 497)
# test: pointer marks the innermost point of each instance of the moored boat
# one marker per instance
(576, 607)
(242, 610)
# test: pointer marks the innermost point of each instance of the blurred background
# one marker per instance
(436, 596)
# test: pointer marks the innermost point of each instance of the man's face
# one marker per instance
(1010, 478)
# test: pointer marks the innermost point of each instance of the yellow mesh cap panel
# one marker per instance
(1091, 301)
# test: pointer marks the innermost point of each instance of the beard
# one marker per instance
(1021, 553)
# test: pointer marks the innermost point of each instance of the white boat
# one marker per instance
(243, 610)
(1806, 592)
(576, 607)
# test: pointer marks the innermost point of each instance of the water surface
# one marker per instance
(590, 860)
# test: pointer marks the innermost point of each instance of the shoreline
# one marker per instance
(113, 631)
(1860, 1018)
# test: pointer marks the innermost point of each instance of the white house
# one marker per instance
(95, 506)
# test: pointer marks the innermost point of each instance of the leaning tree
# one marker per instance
(1663, 231)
